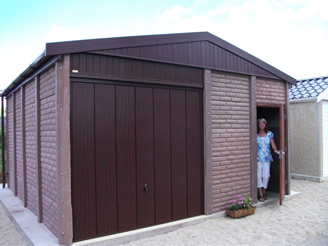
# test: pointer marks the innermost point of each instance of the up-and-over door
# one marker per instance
(137, 157)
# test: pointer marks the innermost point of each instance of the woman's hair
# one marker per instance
(266, 129)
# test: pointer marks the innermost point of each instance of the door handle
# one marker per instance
(281, 154)
(146, 188)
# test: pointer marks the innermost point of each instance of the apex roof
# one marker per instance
(199, 49)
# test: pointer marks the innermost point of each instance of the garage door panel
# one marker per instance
(126, 163)
(105, 159)
(162, 155)
(194, 153)
(145, 157)
(83, 162)
(178, 154)
(126, 138)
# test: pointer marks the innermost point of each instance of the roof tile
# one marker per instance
(308, 88)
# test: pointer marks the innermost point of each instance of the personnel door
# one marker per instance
(275, 115)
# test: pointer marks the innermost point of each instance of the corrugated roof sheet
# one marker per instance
(308, 88)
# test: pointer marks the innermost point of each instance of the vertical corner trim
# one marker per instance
(38, 147)
(286, 149)
(253, 132)
(14, 146)
(23, 145)
(208, 186)
(3, 144)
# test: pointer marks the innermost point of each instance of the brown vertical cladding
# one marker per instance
(153, 72)
(106, 183)
(83, 161)
(194, 132)
(147, 157)
(198, 53)
(162, 161)
(230, 137)
(178, 154)
(126, 162)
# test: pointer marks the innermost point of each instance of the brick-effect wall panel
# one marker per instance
(230, 107)
(49, 149)
(19, 149)
(270, 91)
(31, 167)
(10, 143)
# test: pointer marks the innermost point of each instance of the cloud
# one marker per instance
(174, 13)
(290, 35)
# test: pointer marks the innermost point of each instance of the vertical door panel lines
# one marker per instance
(136, 157)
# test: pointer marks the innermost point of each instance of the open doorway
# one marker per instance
(272, 115)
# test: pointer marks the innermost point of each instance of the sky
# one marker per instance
(291, 35)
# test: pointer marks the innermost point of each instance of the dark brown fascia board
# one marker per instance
(125, 42)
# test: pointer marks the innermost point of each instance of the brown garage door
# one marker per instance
(137, 157)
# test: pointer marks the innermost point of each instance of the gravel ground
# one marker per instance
(300, 221)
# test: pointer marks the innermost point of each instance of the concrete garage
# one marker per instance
(308, 129)
(112, 135)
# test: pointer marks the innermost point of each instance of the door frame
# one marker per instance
(283, 147)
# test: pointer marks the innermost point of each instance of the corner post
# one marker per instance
(208, 185)
(14, 145)
(38, 147)
(253, 142)
(3, 144)
(63, 151)
(23, 146)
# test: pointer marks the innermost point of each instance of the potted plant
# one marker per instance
(241, 206)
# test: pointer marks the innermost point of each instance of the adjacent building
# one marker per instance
(309, 129)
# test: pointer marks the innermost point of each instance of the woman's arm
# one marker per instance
(274, 146)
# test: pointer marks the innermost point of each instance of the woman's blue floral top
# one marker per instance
(263, 148)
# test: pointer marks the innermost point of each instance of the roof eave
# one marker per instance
(35, 65)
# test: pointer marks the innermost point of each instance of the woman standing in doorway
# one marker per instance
(264, 157)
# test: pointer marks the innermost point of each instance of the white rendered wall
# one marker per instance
(325, 137)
